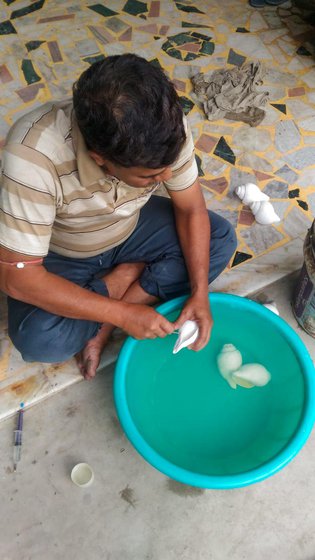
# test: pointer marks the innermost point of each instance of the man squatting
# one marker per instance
(77, 207)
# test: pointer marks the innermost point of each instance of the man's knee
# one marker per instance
(168, 277)
(223, 236)
(39, 346)
(230, 238)
(122, 277)
(55, 339)
(222, 245)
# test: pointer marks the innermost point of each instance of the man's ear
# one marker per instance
(97, 158)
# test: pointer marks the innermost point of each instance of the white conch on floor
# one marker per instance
(229, 360)
(264, 213)
(250, 193)
(251, 375)
(187, 334)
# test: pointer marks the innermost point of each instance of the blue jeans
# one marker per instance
(45, 337)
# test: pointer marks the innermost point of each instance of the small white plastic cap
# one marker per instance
(82, 475)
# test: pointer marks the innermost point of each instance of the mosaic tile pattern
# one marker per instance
(45, 46)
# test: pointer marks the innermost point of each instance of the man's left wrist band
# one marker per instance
(22, 264)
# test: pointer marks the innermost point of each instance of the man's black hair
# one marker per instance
(129, 113)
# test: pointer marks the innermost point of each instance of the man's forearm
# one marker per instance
(194, 233)
(61, 297)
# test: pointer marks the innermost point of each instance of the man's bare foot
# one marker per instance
(89, 358)
(117, 281)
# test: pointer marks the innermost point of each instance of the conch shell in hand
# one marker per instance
(250, 193)
(187, 334)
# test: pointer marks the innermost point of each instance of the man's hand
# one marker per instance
(197, 309)
(141, 321)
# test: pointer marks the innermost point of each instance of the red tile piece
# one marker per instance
(296, 92)
(152, 28)
(163, 29)
(5, 75)
(246, 218)
(54, 51)
(29, 93)
(181, 86)
(262, 176)
(218, 185)
(190, 47)
(127, 35)
(206, 143)
(56, 18)
(154, 9)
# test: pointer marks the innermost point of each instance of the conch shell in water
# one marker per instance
(229, 360)
(251, 375)
(248, 375)
(250, 193)
(187, 334)
(264, 213)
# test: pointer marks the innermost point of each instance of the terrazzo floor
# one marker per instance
(45, 45)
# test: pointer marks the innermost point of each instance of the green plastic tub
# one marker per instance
(185, 420)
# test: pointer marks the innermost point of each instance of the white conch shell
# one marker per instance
(251, 375)
(187, 334)
(264, 213)
(272, 307)
(250, 193)
(229, 360)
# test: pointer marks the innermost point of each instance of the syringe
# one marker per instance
(18, 439)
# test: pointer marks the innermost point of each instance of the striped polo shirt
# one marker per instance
(53, 196)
